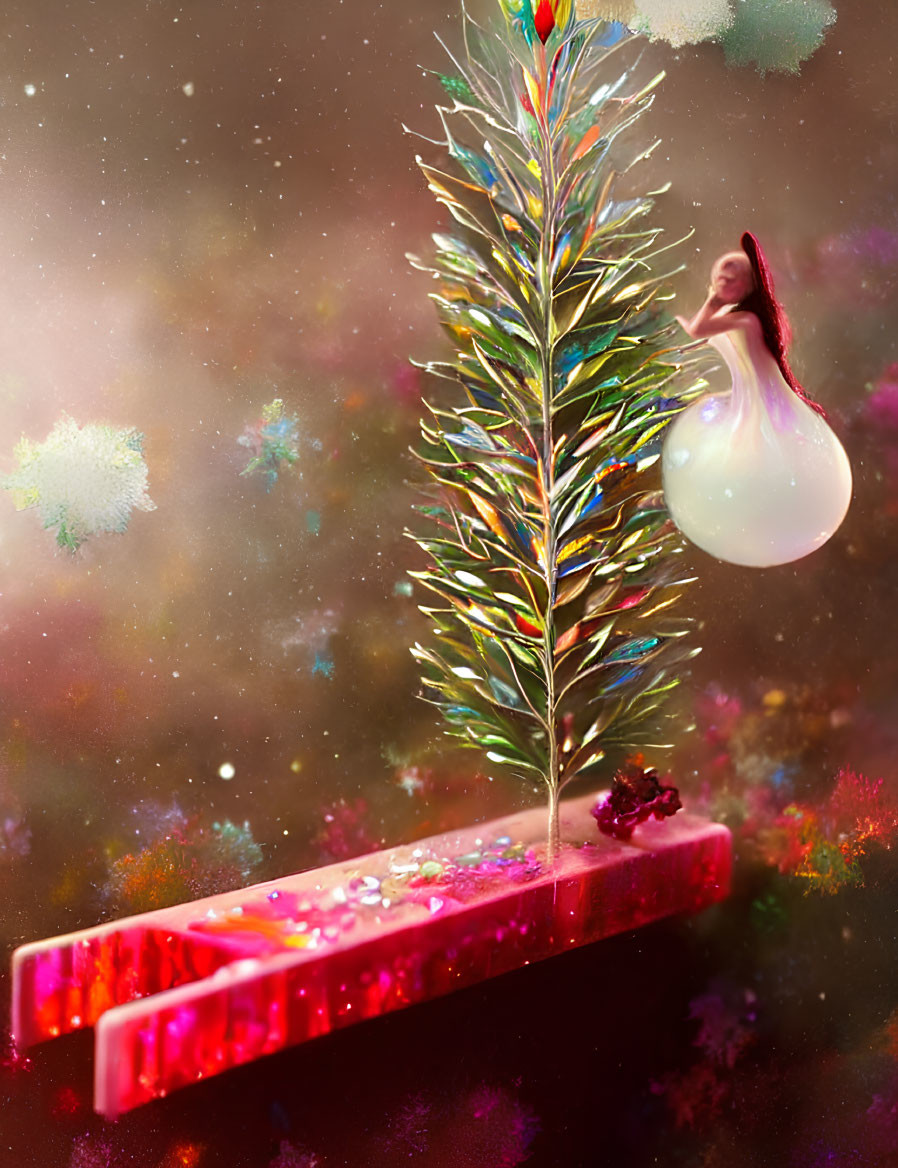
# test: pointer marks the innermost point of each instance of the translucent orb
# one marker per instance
(754, 476)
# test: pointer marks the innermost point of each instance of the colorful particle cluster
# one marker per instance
(291, 1156)
(92, 1152)
(697, 1094)
(273, 441)
(15, 834)
(181, 859)
(754, 748)
(83, 480)
(881, 407)
(757, 754)
(323, 665)
(856, 266)
(777, 35)
(307, 636)
(346, 830)
(824, 845)
(726, 1024)
(413, 780)
(15, 838)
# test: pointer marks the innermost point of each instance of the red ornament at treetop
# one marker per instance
(544, 20)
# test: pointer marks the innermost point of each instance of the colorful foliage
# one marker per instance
(551, 554)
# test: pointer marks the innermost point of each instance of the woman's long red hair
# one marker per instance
(763, 303)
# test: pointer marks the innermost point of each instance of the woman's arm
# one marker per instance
(714, 317)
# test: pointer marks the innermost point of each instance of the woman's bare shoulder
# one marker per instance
(742, 319)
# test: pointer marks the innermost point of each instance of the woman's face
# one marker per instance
(731, 277)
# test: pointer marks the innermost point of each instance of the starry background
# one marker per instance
(207, 206)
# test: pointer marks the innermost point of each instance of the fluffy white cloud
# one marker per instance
(82, 479)
(682, 22)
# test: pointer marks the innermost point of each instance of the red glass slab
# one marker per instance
(183, 993)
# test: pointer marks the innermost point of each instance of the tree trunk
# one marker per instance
(553, 841)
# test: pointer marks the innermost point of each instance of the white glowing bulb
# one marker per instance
(755, 476)
(226, 770)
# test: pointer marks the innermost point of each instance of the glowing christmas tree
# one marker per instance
(550, 548)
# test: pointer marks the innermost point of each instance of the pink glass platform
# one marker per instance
(183, 993)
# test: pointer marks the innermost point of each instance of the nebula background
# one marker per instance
(206, 206)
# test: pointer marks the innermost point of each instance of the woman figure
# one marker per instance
(754, 476)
